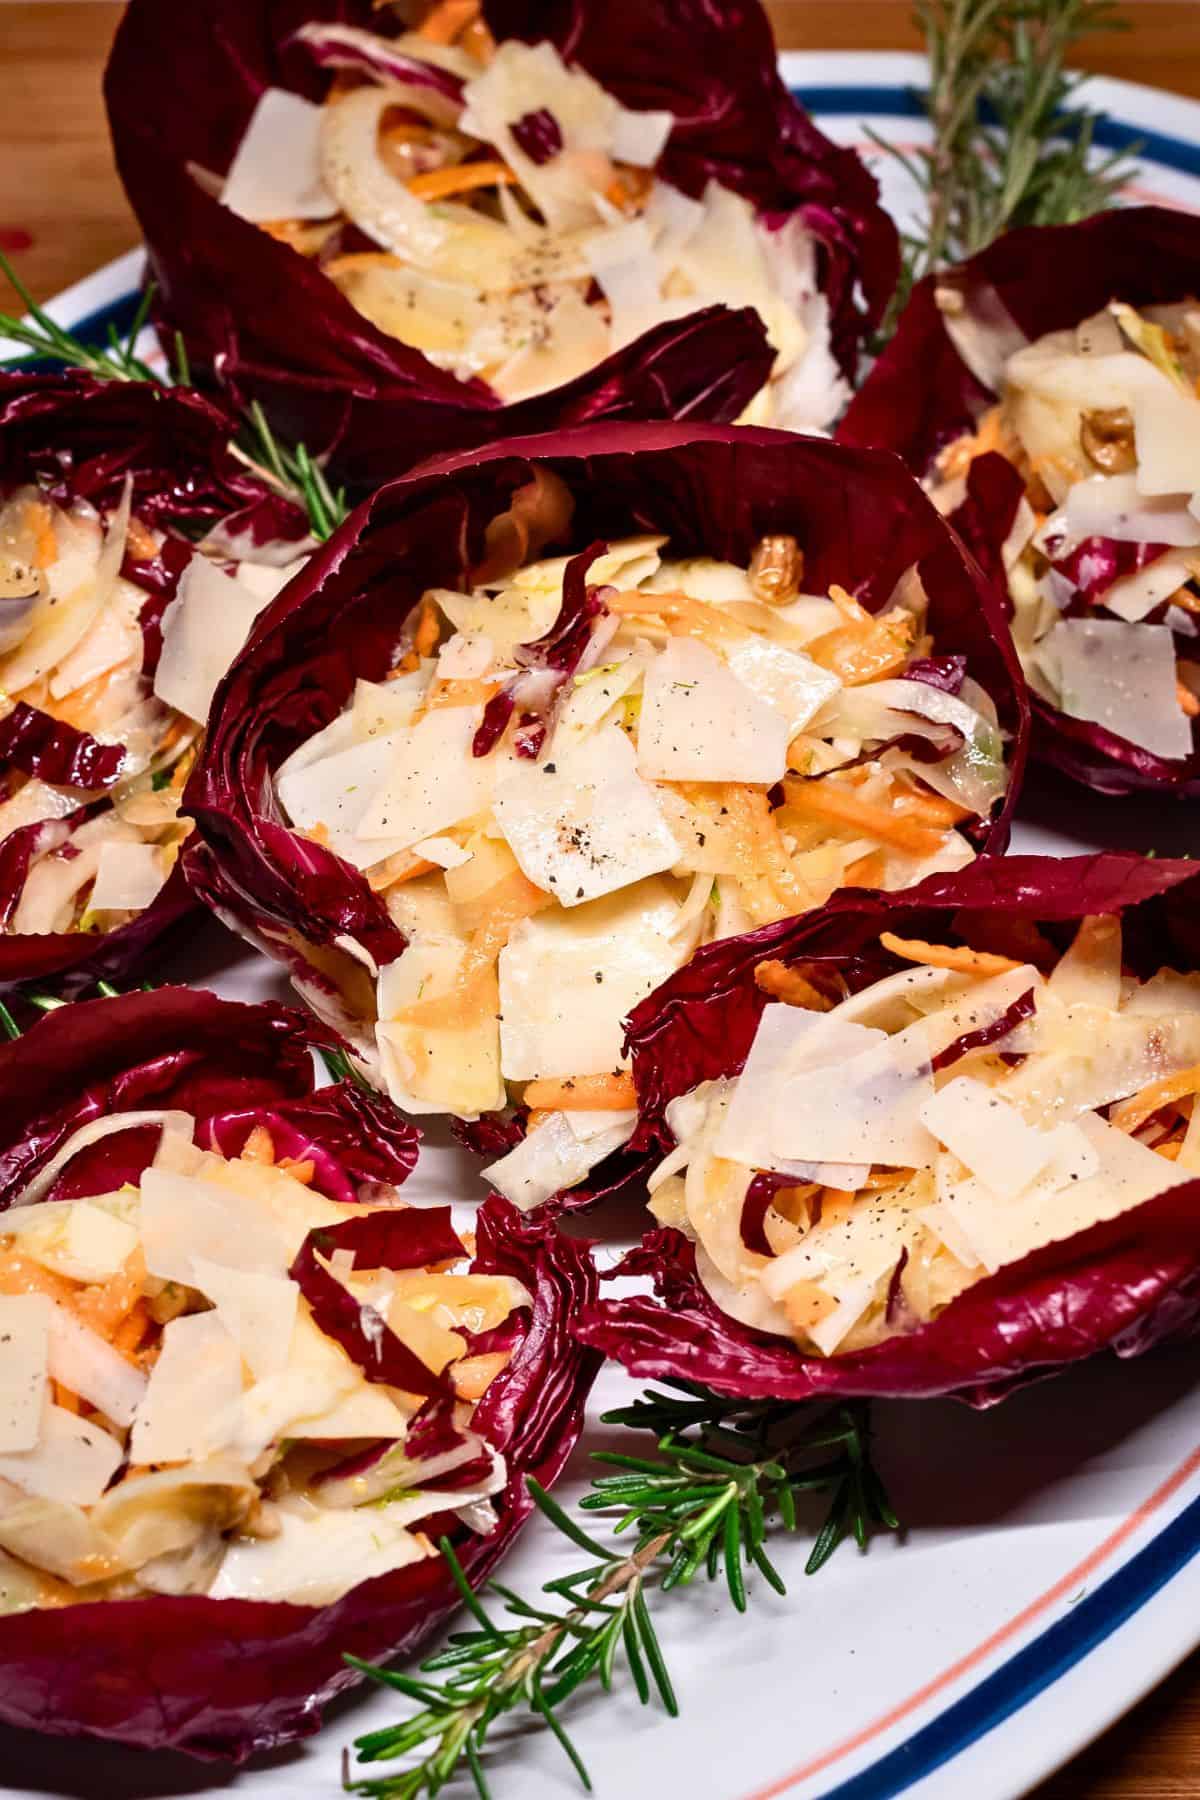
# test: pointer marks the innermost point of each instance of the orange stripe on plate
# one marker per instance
(1060, 1590)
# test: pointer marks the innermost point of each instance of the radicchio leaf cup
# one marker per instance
(82, 440)
(224, 1679)
(1124, 1285)
(921, 395)
(266, 322)
(712, 491)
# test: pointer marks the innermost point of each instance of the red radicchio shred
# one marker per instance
(402, 1239)
(985, 517)
(922, 749)
(895, 1293)
(60, 754)
(564, 644)
(759, 1195)
(1098, 562)
(944, 672)
(984, 1035)
(530, 737)
(496, 714)
(538, 134)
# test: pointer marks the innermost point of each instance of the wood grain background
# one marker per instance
(62, 214)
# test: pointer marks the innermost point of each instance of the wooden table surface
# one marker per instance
(62, 214)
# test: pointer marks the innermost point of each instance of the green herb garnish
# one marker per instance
(726, 1474)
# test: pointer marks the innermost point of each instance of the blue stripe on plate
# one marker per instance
(91, 329)
(905, 103)
(1032, 1670)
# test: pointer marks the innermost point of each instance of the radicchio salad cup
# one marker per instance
(1046, 391)
(135, 552)
(246, 1388)
(408, 238)
(539, 721)
(939, 1142)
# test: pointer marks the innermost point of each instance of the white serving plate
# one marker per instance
(1049, 1574)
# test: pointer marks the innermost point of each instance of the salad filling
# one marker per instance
(113, 636)
(881, 1152)
(220, 1380)
(496, 208)
(1102, 558)
(578, 772)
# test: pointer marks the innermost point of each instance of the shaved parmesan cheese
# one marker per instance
(1135, 595)
(276, 173)
(113, 640)
(587, 824)
(463, 658)
(380, 707)
(700, 723)
(1166, 425)
(568, 981)
(437, 1068)
(87, 1365)
(593, 695)
(1116, 1174)
(703, 578)
(184, 1217)
(129, 878)
(640, 137)
(894, 1002)
(516, 615)
(855, 1105)
(333, 795)
(24, 1347)
(1114, 506)
(433, 781)
(318, 1556)
(443, 851)
(268, 579)
(558, 1153)
(192, 1405)
(988, 1135)
(258, 1312)
(1088, 1057)
(73, 1237)
(203, 629)
(788, 1045)
(73, 1461)
(1089, 971)
(1123, 677)
(788, 680)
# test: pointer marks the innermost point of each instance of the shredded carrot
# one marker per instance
(806, 1305)
(512, 899)
(693, 618)
(888, 1178)
(259, 1147)
(140, 541)
(790, 986)
(628, 188)
(538, 1117)
(1188, 702)
(63, 1397)
(959, 957)
(478, 42)
(129, 1334)
(936, 809)
(474, 1375)
(858, 653)
(867, 871)
(583, 1093)
(1137, 1109)
(303, 236)
(77, 708)
(106, 1305)
(1170, 1149)
(300, 1169)
(761, 847)
(396, 870)
(21, 1275)
(446, 19)
(1184, 597)
(460, 693)
(833, 803)
(848, 606)
(358, 260)
(426, 635)
(40, 521)
(459, 178)
(182, 770)
(409, 663)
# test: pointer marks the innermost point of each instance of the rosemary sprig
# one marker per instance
(291, 471)
(724, 1472)
(1011, 145)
